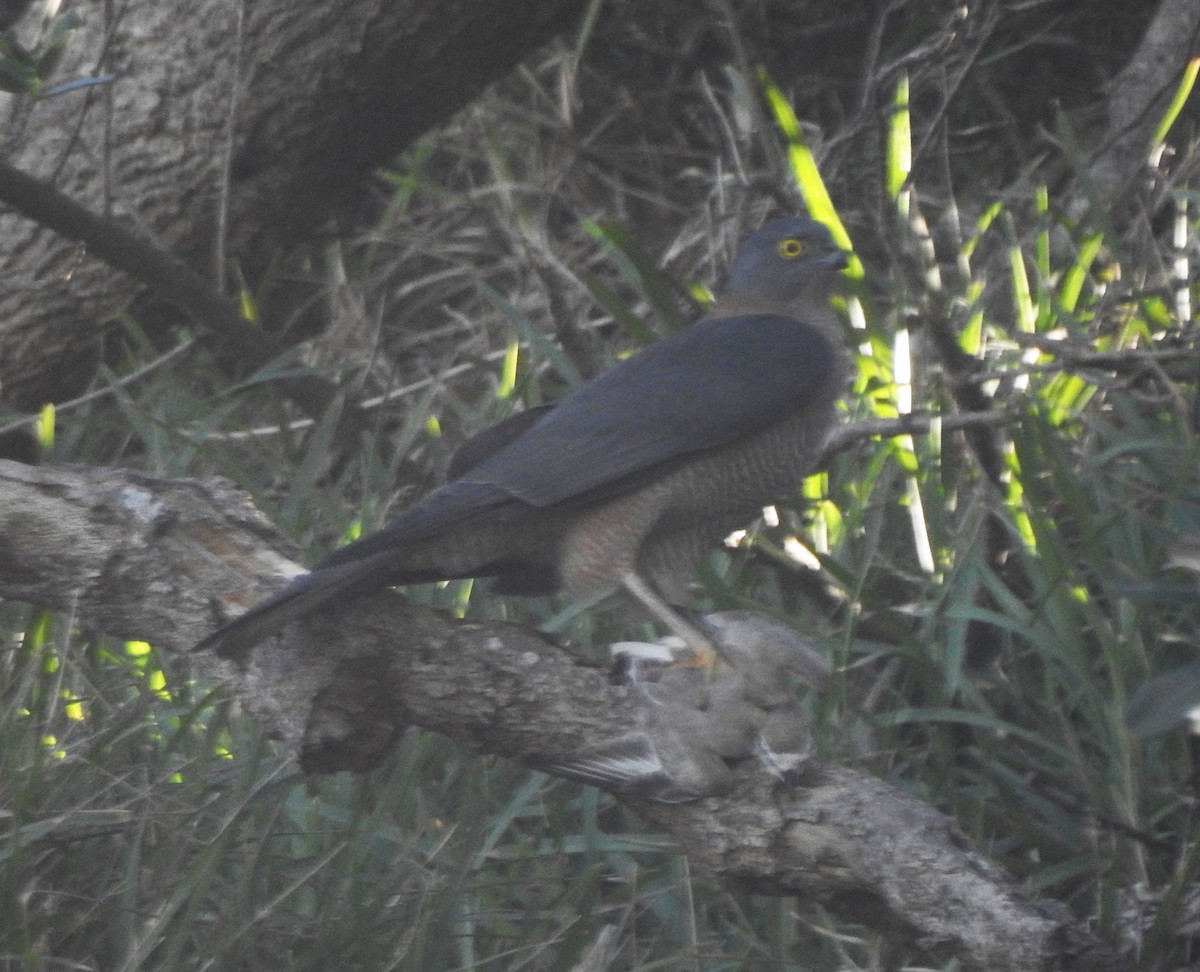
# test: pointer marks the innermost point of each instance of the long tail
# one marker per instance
(409, 550)
(302, 596)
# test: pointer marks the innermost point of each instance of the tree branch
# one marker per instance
(164, 560)
(168, 277)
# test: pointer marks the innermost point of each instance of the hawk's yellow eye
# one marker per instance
(790, 248)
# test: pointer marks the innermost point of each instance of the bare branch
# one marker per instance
(168, 277)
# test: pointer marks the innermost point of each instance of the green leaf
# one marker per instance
(639, 270)
(1182, 93)
(1164, 702)
(899, 145)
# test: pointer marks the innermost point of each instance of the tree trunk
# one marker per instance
(225, 132)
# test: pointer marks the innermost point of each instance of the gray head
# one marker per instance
(764, 650)
(785, 259)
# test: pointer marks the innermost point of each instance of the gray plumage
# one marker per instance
(636, 476)
(692, 727)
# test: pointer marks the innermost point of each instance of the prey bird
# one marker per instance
(690, 729)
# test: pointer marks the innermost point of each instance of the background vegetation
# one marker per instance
(992, 599)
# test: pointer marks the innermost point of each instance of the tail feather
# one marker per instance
(302, 596)
(439, 539)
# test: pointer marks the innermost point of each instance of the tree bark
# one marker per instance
(1140, 96)
(162, 561)
(227, 131)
